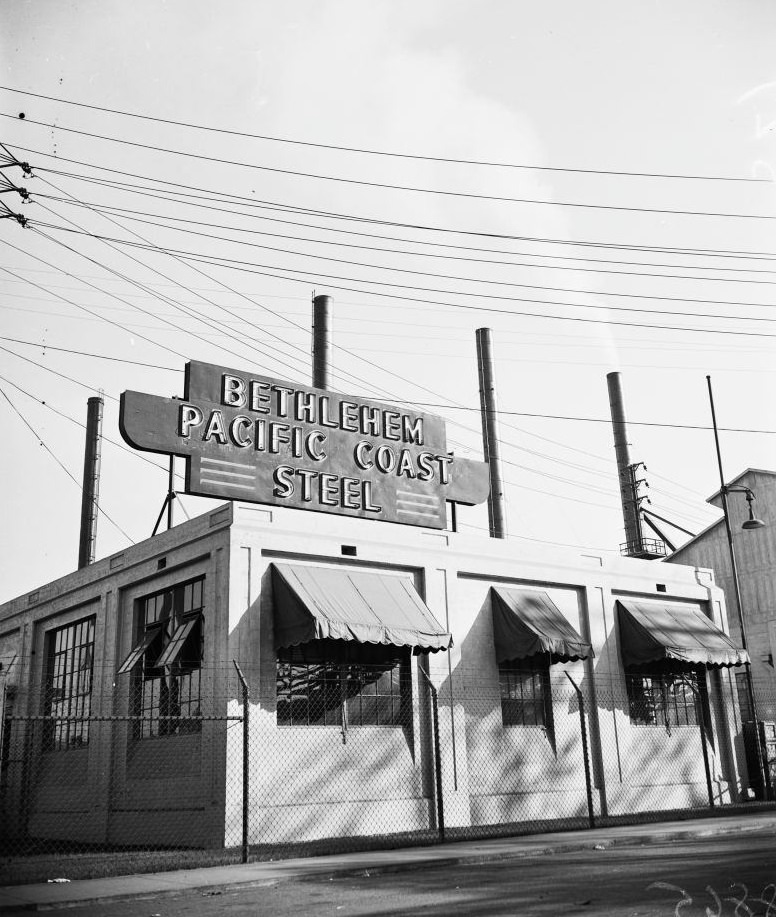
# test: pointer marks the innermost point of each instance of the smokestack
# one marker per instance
(497, 518)
(87, 543)
(321, 341)
(625, 470)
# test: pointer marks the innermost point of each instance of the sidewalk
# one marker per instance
(120, 888)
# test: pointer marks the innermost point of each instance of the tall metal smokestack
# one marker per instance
(321, 341)
(497, 518)
(87, 543)
(625, 470)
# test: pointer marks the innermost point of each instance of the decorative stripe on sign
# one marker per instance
(227, 483)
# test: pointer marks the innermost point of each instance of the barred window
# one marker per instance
(166, 661)
(525, 692)
(326, 683)
(68, 690)
(670, 698)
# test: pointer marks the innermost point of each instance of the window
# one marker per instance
(525, 692)
(743, 697)
(68, 686)
(669, 698)
(335, 683)
(166, 661)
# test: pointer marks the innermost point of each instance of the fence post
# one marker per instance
(246, 762)
(437, 757)
(702, 726)
(585, 752)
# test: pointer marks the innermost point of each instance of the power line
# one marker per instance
(423, 404)
(70, 302)
(468, 195)
(217, 259)
(61, 465)
(246, 267)
(533, 452)
(179, 306)
(525, 468)
(86, 353)
(129, 213)
(46, 404)
(575, 339)
(374, 152)
(606, 420)
(208, 193)
(91, 388)
(565, 480)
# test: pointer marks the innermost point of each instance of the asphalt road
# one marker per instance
(707, 877)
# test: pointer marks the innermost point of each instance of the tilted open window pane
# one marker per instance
(174, 648)
(137, 653)
(166, 661)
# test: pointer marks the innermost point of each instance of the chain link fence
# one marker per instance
(340, 756)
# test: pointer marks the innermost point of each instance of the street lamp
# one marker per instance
(751, 523)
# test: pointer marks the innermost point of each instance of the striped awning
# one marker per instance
(527, 622)
(318, 603)
(652, 632)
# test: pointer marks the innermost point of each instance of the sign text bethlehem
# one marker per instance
(248, 437)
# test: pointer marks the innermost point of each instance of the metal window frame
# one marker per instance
(514, 673)
(345, 682)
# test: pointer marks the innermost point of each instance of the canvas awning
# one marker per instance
(314, 603)
(656, 631)
(527, 622)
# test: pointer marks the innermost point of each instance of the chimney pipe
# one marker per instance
(321, 341)
(91, 483)
(625, 471)
(497, 519)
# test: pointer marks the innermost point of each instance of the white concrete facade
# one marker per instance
(306, 782)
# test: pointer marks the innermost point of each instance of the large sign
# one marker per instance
(253, 438)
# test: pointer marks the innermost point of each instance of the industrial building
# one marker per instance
(121, 658)
(325, 657)
(755, 548)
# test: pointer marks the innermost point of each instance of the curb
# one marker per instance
(312, 872)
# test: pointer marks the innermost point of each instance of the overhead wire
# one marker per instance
(506, 461)
(573, 483)
(47, 404)
(134, 214)
(468, 195)
(535, 453)
(375, 152)
(533, 470)
(487, 281)
(208, 193)
(246, 267)
(223, 308)
(60, 463)
(188, 311)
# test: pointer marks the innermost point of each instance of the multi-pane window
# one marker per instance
(68, 691)
(323, 683)
(670, 698)
(166, 661)
(525, 692)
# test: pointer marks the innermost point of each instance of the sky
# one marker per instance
(594, 182)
